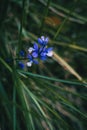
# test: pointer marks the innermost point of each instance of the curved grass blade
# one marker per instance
(25, 104)
(5, 64)
(14, 108)
(68, 103)
(62, 14)
(70, 45)
(50, 78)
(45, 15)
(21, 26)
(63, 99)
(66, 66)
(37, 104)
(54, 87)
(67, 11)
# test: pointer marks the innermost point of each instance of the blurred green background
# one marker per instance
(53, 94)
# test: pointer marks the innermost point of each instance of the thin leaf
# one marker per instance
(66, 66)
(50, 78)
(5, 64)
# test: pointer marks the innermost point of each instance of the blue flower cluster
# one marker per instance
(38, 51)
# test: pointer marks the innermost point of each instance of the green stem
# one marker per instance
(67, 11)
(69, 45)
(52, 79)
(21, 26)
(14, 108)
(45, 14)
(65, 20)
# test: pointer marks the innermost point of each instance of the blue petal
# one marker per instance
(29, 57)
(40, 41)
(43, 40)
(49, 49)
(44, 49)
(46, 40)
(35, 61)
(21, 65)
(35, 46)
(43, 54)
(40, 49)
(35, 54)
(43, 57)
(21, 53)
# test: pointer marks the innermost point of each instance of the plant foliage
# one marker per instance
(51, 95)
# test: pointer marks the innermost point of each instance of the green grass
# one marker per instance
(53, 94)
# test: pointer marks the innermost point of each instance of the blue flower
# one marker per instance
(43, 53)
(21, 65)
(34, 50)
(38, 51)
(43, 41)
(31, 60)
(49, 51)
(22, 53)
(46, 52)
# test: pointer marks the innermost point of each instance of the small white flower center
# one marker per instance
(50, 53)
(42, 37)
(30, 49)
(29, 64)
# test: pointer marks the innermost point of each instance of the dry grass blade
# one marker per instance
(62, 14)
(66, 66)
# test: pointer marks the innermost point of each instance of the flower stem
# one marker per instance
(21, 26)
(45, 14)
